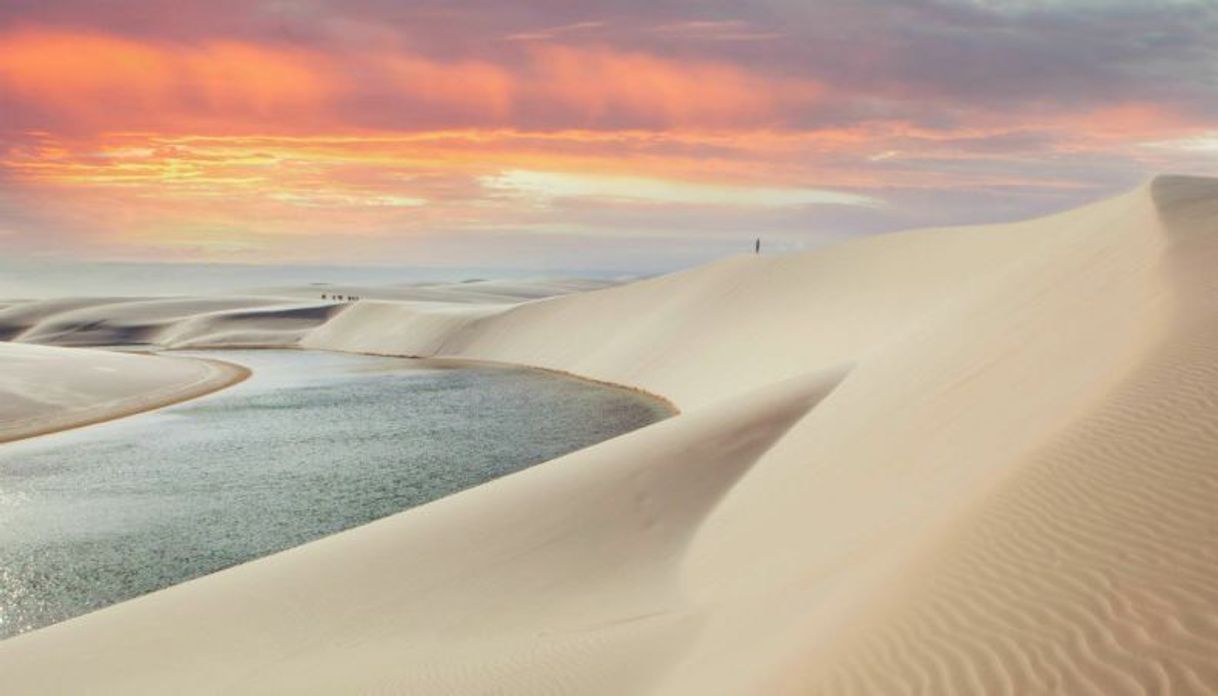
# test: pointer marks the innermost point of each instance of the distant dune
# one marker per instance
(955, 461)
(258, 318)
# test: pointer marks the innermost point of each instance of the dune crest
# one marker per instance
(968, 460)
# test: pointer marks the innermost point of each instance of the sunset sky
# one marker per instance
(576, 134)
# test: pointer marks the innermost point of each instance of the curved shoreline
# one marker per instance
(221, 376)
(668, 404)
(456, 360)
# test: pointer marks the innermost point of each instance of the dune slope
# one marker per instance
(970, 460)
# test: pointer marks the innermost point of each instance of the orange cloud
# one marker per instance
(469, 85)
(108, 82)
(68, 69)
(144, 190)
(102, 80)
(601, 83)
(231, 76)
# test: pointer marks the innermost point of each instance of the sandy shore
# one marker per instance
(44, 389)
(966, 460)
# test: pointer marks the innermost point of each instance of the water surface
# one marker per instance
(312, 444)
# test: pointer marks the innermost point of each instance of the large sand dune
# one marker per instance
(970, 460)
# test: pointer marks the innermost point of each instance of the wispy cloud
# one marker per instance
(550, 185)
(554, 32)
(716, 30)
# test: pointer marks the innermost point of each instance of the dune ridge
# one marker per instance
(968, 460)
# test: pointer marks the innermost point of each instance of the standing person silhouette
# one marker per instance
(757, 246)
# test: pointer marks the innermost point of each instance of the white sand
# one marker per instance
(493, 291)
(43, 389)
(973, 460)
(238, 321)
(266, 317)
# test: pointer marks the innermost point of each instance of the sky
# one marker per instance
(641, 135)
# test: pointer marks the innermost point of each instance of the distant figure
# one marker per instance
(323, 296)
(757, 246)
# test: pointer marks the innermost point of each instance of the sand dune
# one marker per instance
(260, 318)
(19, 317)
(969, 460)
(470, 291)
(169, 322)
(43, 389)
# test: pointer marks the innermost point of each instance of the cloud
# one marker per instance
(547, 33)
(1205, 142)
(286, 128)
(546, 185)
(85, 80)
(89, 80)
(715, 30)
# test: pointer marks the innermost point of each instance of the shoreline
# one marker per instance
(668, 404)
(234, 374)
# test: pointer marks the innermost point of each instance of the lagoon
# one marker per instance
(312, 444)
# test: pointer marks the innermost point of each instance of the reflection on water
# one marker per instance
(312, 444)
